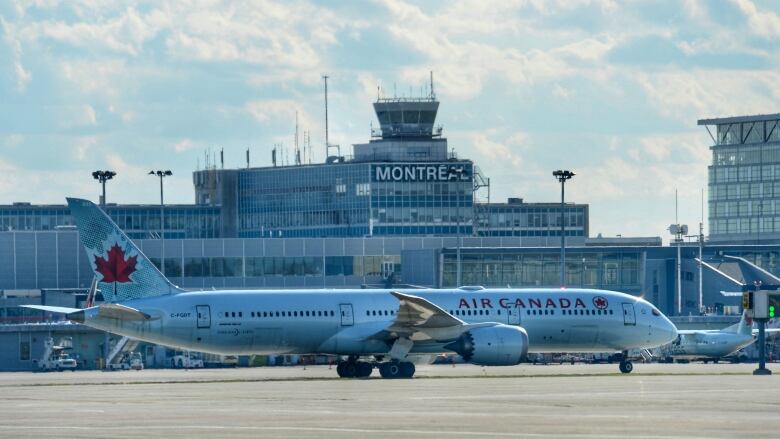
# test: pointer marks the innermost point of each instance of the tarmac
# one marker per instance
(574, 401)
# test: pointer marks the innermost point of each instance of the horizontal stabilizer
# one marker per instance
(54, 309)
(121, 312)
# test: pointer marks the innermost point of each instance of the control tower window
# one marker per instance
(411, 117)
(427, 116)
(383, 116)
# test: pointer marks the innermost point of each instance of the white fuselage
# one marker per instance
(348, 322)
(706, 344)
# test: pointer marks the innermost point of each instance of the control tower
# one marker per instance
(407, 132)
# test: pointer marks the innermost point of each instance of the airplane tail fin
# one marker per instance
(745, 325)
(122, 270)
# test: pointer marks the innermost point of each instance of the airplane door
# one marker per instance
(629, 318)
(346, 314)
(204, 316)
(513, 316)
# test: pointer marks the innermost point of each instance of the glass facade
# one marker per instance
(744, 178)
(137, 221)
(356, 199)
(594, 269)
(533, 219)
(281, 266)
(303, 201)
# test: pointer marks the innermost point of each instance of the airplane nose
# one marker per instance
(668, 331)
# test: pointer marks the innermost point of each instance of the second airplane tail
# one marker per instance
(745, 326)
(122, 270)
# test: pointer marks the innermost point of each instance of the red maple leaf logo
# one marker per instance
(600, 302)
(116, 268)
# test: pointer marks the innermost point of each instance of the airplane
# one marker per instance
(370, 328)
(711, 345)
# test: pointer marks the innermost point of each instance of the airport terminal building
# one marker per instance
(403, 210)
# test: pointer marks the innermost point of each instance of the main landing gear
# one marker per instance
(352, 368)
(626, 366)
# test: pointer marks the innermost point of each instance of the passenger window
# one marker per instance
(368, 313)
(253, 313)
(332, 314)
(233, 313)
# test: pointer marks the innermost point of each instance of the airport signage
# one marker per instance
(414, 172)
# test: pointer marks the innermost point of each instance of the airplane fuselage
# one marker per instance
(707, 345)
(342, 321)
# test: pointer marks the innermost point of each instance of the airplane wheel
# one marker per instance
(407, 369)
(340, 369)
(364, 369)
(626, 366)
(390, 370)
(347, 369)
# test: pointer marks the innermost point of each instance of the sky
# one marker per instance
(611, 90)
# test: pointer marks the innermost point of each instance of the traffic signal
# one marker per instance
(773, 306)
(747, 300)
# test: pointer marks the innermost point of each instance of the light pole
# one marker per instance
(102, 177)
(162, 174)
(562, 176)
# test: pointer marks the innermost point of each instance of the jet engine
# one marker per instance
(500, 345)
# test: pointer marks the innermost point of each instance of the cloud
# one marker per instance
(14, 140)
(88, 115)
(125, 33)
(762, 23)
(183, 145)
(280, 111)
(689, 95)
(82, 147)
(101, 77)
(23, 76)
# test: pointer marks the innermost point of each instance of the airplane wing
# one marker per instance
(107, 310)
(416, 312)
(54, 309)
(768, 331)
(420, 320)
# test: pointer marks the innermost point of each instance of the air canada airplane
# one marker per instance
(370, 328)
(711, 345)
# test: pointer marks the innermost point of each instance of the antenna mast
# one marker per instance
(297, 150)
(327, 141)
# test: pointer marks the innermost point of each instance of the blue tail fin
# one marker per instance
(122, 271)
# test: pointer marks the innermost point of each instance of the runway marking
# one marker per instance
(372, 379)
(438, 432)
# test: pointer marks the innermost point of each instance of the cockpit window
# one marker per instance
(656, 312)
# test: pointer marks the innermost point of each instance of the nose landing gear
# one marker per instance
(626, 366)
